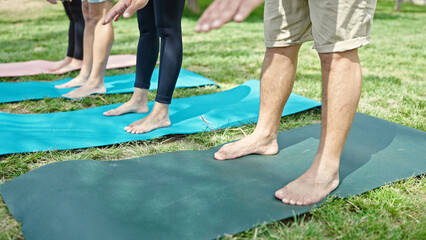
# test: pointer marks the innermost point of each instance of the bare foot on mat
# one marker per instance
(85, 91)
(127, 107)
(311, 187)
(75, 64)
(251, 144)
(158, 118)
(60, 64)
(137, 104)
(75, 82)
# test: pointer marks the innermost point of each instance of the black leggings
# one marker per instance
(76, 29)
(160, 19)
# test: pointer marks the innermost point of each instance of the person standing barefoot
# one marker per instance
(157, 19)
(74, 57)
(98, 40)
(338, 29)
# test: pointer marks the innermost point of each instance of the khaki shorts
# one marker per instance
(334, 25)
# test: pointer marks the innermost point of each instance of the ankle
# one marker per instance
(140, 95)
(325, 164)
(263, 134)
(161, 110)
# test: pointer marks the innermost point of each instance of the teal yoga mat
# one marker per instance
(19, 91)
(89, 128)
(188, 195)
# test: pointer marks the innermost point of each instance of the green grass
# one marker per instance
(394, 89)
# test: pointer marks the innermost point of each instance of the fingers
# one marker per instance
(115, 12)
(245, 10)
(222, 11)
(134, 6)
(217, 14)
(116, 18)
(125, 8)
(52, 1)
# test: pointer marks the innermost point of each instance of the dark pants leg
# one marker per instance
(160, 19)
(76, 29)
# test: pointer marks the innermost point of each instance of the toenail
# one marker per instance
(292, 202)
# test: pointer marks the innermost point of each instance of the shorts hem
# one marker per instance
(343, 45)
(275, 43)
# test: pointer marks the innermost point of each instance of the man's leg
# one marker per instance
(341, 90)
(102, 43)
(89, 31)
(278, 73)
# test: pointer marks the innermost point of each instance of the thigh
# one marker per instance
(146, 18)
(286, 22)
(168, 13)
(341, 25)
(98, 9)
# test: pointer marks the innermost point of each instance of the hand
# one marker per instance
(223, 11)
(125, 8)
(55, 1)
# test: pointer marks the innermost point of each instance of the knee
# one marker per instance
(86, 16)
(167, 32)
(328, 60)
(147, 29)
(95, 18)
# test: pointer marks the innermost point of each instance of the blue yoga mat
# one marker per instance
(89, 128)
(19, 91)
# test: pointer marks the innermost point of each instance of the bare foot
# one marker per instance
(158, 118)
(75, 64)
(75, 82)
(85, 91)
(138, 104)
(311, 187)
(251, 144)
(128, 107)
(61, 63)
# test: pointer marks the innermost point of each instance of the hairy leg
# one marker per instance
(103, 40)
(278, 73)
(342, 80)
(138, 104)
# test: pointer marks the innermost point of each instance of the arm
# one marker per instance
(125, 8)
(223, 11)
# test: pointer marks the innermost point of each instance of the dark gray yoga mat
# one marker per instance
(188, 195)
(89, 128)
(20, 91)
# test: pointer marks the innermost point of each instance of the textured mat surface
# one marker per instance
(19, 91)
(89, 128)
(35, 67)
(188, 195)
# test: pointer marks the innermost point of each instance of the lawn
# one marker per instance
(393, 89)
